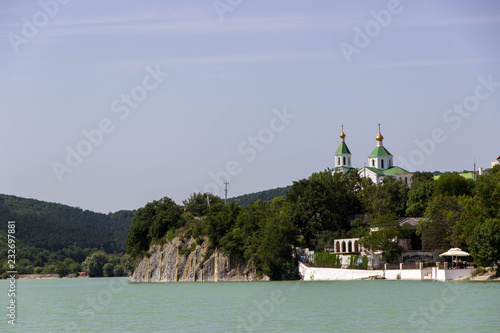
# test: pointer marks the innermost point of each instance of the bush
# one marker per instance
(49, 269)
(328, 260)
(108, 270)
(185, 249)
(171, 234)
(353, 264)
(61, 269)
(119, 270)
(365, 262)
(478, 271)
(162, 242)
(75, 267)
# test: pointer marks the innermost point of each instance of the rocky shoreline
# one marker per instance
(184, 260)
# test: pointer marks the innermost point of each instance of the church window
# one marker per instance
(390, 163)
(382, 164)
(344, 160)
(338, 161)
(373, 163)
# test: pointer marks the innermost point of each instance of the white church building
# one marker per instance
(380, 162)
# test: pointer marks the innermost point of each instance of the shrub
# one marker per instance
(119, 270)
(171, 234)
(185, 250)
(353, 264)
(478, 271)
(328, 260)
(49, 269)
(108, 270)
(162, 242)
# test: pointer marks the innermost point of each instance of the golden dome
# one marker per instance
(342, 135)
(379, 136)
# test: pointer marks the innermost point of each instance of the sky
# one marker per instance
(109, 105)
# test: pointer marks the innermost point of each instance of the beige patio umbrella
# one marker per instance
(454, 252)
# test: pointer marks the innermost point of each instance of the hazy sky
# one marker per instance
(108, 105)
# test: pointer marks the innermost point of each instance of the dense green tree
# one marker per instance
(439, 231)
(108, 270)
(243, 237)
(54, 226)
(151, 223)
(197, 203)
(452, 184)
(273, 255)
(119, 270)
(62, 269)
(387, 198)
(484, 243)
(219, 221)
(75, 267)
(488, 192)
(419, 193)
(166, 216)
(267, 196)
(93, 265)
(323, 202)
(385, 240)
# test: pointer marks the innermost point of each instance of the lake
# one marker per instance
(115, 305)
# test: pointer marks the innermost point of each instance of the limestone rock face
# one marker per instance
(184, 260)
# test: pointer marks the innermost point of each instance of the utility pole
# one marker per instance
(225, 193)
(474, 173)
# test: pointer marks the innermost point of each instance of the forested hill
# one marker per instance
(267, 195)
(55, 226)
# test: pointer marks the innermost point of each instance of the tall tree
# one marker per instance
(386, 199)
(197, 203)
(419, 194)
(323, 202)
(484, 243)
(151, 223)
(452, 184)
(438, 231)
(219, 221)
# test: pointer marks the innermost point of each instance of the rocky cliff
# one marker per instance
(184, 260)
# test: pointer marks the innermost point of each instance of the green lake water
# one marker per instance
(115, 305)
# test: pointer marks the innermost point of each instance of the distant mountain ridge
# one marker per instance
(54, 226)
(266, 195)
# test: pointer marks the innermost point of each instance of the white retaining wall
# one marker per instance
(320, 273)
(450, 274)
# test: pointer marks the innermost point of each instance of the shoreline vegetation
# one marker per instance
(452, 211)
